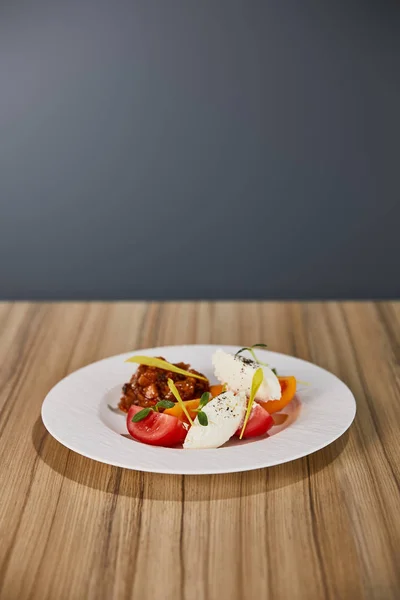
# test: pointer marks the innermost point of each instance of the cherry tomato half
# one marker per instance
(157, 429)
(258, 424)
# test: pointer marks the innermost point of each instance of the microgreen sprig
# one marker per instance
(142, 414)
(205, 397)
(253, 354)
(164, 404)
(255, 384)
(203, 419)
(201, 415)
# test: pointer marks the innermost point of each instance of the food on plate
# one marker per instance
(237, 372)
(256, 381)
(155, 428)
(288, 390)
(178, 411)
(172, 404)
(216, 390)
(149, 384)
(259, 423)
(224, 413)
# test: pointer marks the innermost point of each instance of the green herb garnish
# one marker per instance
(275, 372)
(253, 354)
(203, 419)
(204, 400)
(165, 404)
(142, 414)
(175, 392)
(255, 384)
(151, 361)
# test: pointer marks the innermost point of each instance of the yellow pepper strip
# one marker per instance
(255, 384)
(175, 392)
(151, 361)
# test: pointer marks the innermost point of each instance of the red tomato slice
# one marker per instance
(258, 424)
(156, 429)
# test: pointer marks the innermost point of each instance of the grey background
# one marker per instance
(199, 149)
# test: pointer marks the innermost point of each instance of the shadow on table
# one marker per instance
(152, 486)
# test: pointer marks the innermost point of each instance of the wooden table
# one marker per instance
(326, 526)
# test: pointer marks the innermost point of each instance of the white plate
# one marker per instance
(76, 412)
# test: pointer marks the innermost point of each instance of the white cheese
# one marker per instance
(224, 413)
(237, 372)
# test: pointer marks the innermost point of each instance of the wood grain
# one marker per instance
(326, 526)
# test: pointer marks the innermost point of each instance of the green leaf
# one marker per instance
(242, 350)
(253, 354)
(204, 400)
(255, 384)
(165, 404)
(151, 361)
(250, 348)
(175, 392)
(142, 414)
(203, 419)
(275, 371)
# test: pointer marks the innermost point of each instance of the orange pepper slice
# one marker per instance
(216, 390)
(288, 390)
(177, 411)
